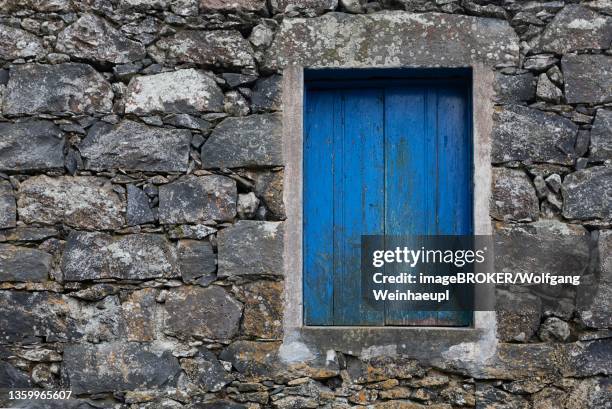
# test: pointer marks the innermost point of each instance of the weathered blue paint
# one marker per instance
(380, 157)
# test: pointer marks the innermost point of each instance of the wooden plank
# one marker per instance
(359, 201)
(319, 127)
(454, 206)
(410, 185)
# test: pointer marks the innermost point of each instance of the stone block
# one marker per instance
(588, 78)
(205, 371)
(138, 207)
(522, 133)
(195, 199)
(94, 256)
(601, 135)
(17, 43)
(119, 366)
(253, 141)
(576, 27)
(139, 314)
(514, 197)
(196, 259)
(132, 145)
(61, 88)
(223, 48)
(263, 309)
(86, 202)
(23, 264)
(182, 91)
(8, 208)
(234, 5)
(547, 246)
(94, 39)
(196, 312)
(31, 145)
(267, 94)
(29, 317)
(346, 40)
(514, 88)
(587, 194)
(318, 6)
(250, 248)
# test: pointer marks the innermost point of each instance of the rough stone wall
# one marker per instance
(141, 206)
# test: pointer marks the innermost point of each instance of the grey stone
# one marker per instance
(318, 6)
(488, 397)
(547, 246)
(95, 256)
(338, 39)
(93, 38)
(23, 264)
(555, 75)
(587, 194)
(513, 197)
(138, 207)
(352, 6)
(514, 88)
(554, 329)
(588, 78)
(267, 94)
(583, 140)
(119, 366)
(588, 358)
(221, 404)
(244, 5)
(26, 233)
(196, 232)
(8, 208)
(189, 122)
(522, 133)
(381, 368)
(85, 202)
(196, 259)
(182, 91)
(269, 188)
(224, 48)
(206, 372)
(96, 292)
(235, 104)
(601, 135)
(598, 300)
(34, 88)
(253, 141)
(195, 199)
(202, 313)
(250, 248)
(236, 80)
(17, 43)
(576, 27)
(247, 205)
(27, 317)
(547, 90)
(540, 62)
(31, 145)
(12, 378)
(554, 182)
(261, 35)
(131, 145)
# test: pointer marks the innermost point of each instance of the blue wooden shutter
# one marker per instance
(383, 159)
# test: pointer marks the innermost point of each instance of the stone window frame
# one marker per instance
(476, 342)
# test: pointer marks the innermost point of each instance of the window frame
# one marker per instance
(355, 339)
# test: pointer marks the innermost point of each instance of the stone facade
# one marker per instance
(142, 214)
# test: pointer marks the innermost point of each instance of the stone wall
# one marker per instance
(141, 181)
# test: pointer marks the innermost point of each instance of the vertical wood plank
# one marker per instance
(320, 125)
(410, 186)
(358, 206)
(454, 176)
